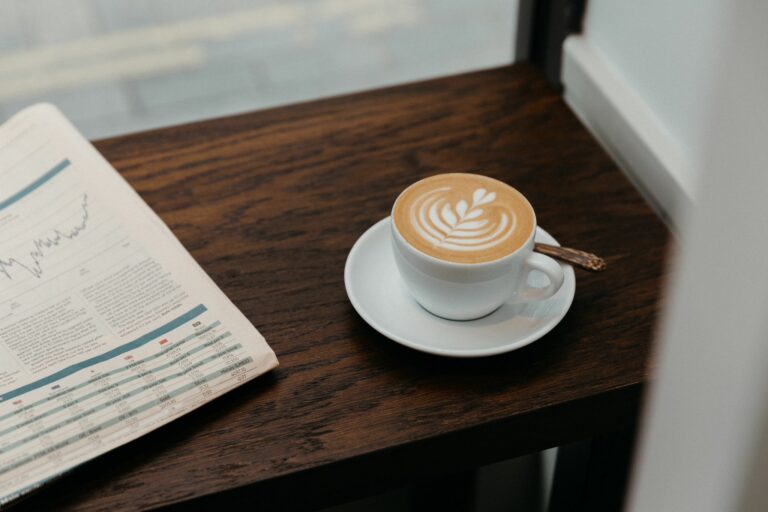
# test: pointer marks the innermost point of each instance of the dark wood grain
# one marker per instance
(270, 203)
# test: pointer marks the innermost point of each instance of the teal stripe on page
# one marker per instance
(35, 184)
(131, 345)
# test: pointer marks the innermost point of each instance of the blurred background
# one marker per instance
(117, 66)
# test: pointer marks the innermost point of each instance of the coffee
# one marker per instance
(463, 218)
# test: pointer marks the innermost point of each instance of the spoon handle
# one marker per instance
(582, 259)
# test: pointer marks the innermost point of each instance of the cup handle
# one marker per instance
(548, 266)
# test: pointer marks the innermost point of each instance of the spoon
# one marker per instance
(579, 258)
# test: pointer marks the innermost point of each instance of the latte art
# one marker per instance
(465, 218)
(463, 226)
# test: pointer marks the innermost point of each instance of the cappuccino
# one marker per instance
(463, 218)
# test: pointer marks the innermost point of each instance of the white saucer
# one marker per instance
(377, 293)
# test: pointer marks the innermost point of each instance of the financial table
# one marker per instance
(270, 203)
(121, 396)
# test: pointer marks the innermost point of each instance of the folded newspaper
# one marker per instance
(108, 327)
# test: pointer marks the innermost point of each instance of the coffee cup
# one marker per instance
(463, 244)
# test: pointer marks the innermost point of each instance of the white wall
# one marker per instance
(652, 62)
(666, 51)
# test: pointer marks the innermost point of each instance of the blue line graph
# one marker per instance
(35, 184)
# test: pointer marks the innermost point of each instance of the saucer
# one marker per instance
(378, 294)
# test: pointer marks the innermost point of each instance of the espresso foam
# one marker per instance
(463, 218)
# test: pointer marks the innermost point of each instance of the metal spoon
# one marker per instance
(579, 258)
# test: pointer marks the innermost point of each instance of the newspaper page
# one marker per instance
(108, 327)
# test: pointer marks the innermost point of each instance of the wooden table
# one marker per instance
(271, 202)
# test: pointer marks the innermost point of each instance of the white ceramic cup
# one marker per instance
(465, 291)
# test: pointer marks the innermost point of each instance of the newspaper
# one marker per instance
(108, 327)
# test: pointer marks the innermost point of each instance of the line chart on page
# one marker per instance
(31, 261)
(53, 232)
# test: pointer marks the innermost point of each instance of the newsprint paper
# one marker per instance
(108, 327)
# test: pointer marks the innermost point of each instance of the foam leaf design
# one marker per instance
(477, 195)
(462, 226)
(461, 208)
(464, 219)
(473, 214)
(481, 196)
(448, 216)
(488, 198)
(472, 224)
